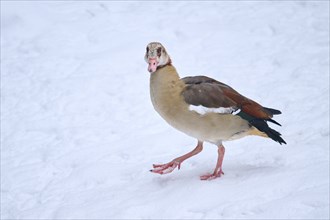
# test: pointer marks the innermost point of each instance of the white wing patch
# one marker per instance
(202, 110)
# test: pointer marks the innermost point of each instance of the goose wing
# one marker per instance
(212, 95)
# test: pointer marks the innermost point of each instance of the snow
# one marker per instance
(79, 133)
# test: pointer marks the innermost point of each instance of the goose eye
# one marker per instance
(147, 49)
(159, 51)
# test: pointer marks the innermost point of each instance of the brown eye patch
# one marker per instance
(159, 51)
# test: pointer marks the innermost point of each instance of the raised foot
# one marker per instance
(165, 168)
(212, 176)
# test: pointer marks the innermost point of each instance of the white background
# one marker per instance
(79, 133)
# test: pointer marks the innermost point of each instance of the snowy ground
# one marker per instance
(79, 134)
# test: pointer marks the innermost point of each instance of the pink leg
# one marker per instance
(218, 168)
(169, 167)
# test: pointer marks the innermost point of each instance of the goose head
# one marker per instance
(156, 56)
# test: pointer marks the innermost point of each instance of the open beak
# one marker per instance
(152, 67)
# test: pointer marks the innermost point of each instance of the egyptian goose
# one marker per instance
(203, 108)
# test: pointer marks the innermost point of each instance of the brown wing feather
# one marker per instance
(247, 105)
(201, 90)
(205, 91)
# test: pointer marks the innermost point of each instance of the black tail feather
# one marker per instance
(273, 121)
(273, 111)
(262, 125)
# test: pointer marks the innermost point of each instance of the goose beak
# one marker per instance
(152, 67)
